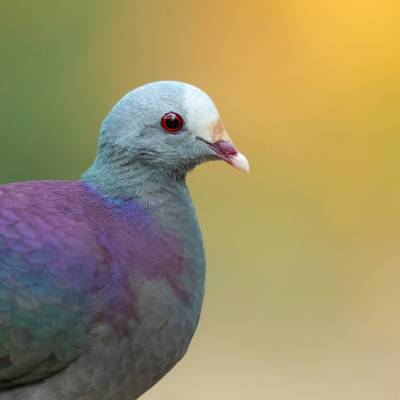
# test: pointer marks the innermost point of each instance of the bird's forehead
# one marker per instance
(200, 109)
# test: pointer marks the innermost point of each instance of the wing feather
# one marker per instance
(47, 252)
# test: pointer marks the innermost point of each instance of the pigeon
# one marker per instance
(102, 278)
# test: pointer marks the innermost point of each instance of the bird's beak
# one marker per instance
(220, 142)
(228, 152)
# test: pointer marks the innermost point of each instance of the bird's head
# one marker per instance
(171, 126)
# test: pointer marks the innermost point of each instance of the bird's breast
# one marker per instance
(149, 310)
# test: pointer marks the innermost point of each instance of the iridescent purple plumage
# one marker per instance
(69, 258)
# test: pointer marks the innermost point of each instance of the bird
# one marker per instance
(102, 279)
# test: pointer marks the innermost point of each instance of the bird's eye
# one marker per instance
(172, 122)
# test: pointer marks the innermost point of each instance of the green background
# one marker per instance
(303, 253)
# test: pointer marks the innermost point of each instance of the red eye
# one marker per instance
(172, 122)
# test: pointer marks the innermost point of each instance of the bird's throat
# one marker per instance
(152, 188)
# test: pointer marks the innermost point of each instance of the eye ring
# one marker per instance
(172, 122)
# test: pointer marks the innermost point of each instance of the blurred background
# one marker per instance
(303, 253)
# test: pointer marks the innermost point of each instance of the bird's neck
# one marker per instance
(153, 188)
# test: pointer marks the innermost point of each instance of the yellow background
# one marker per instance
(303, 253)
